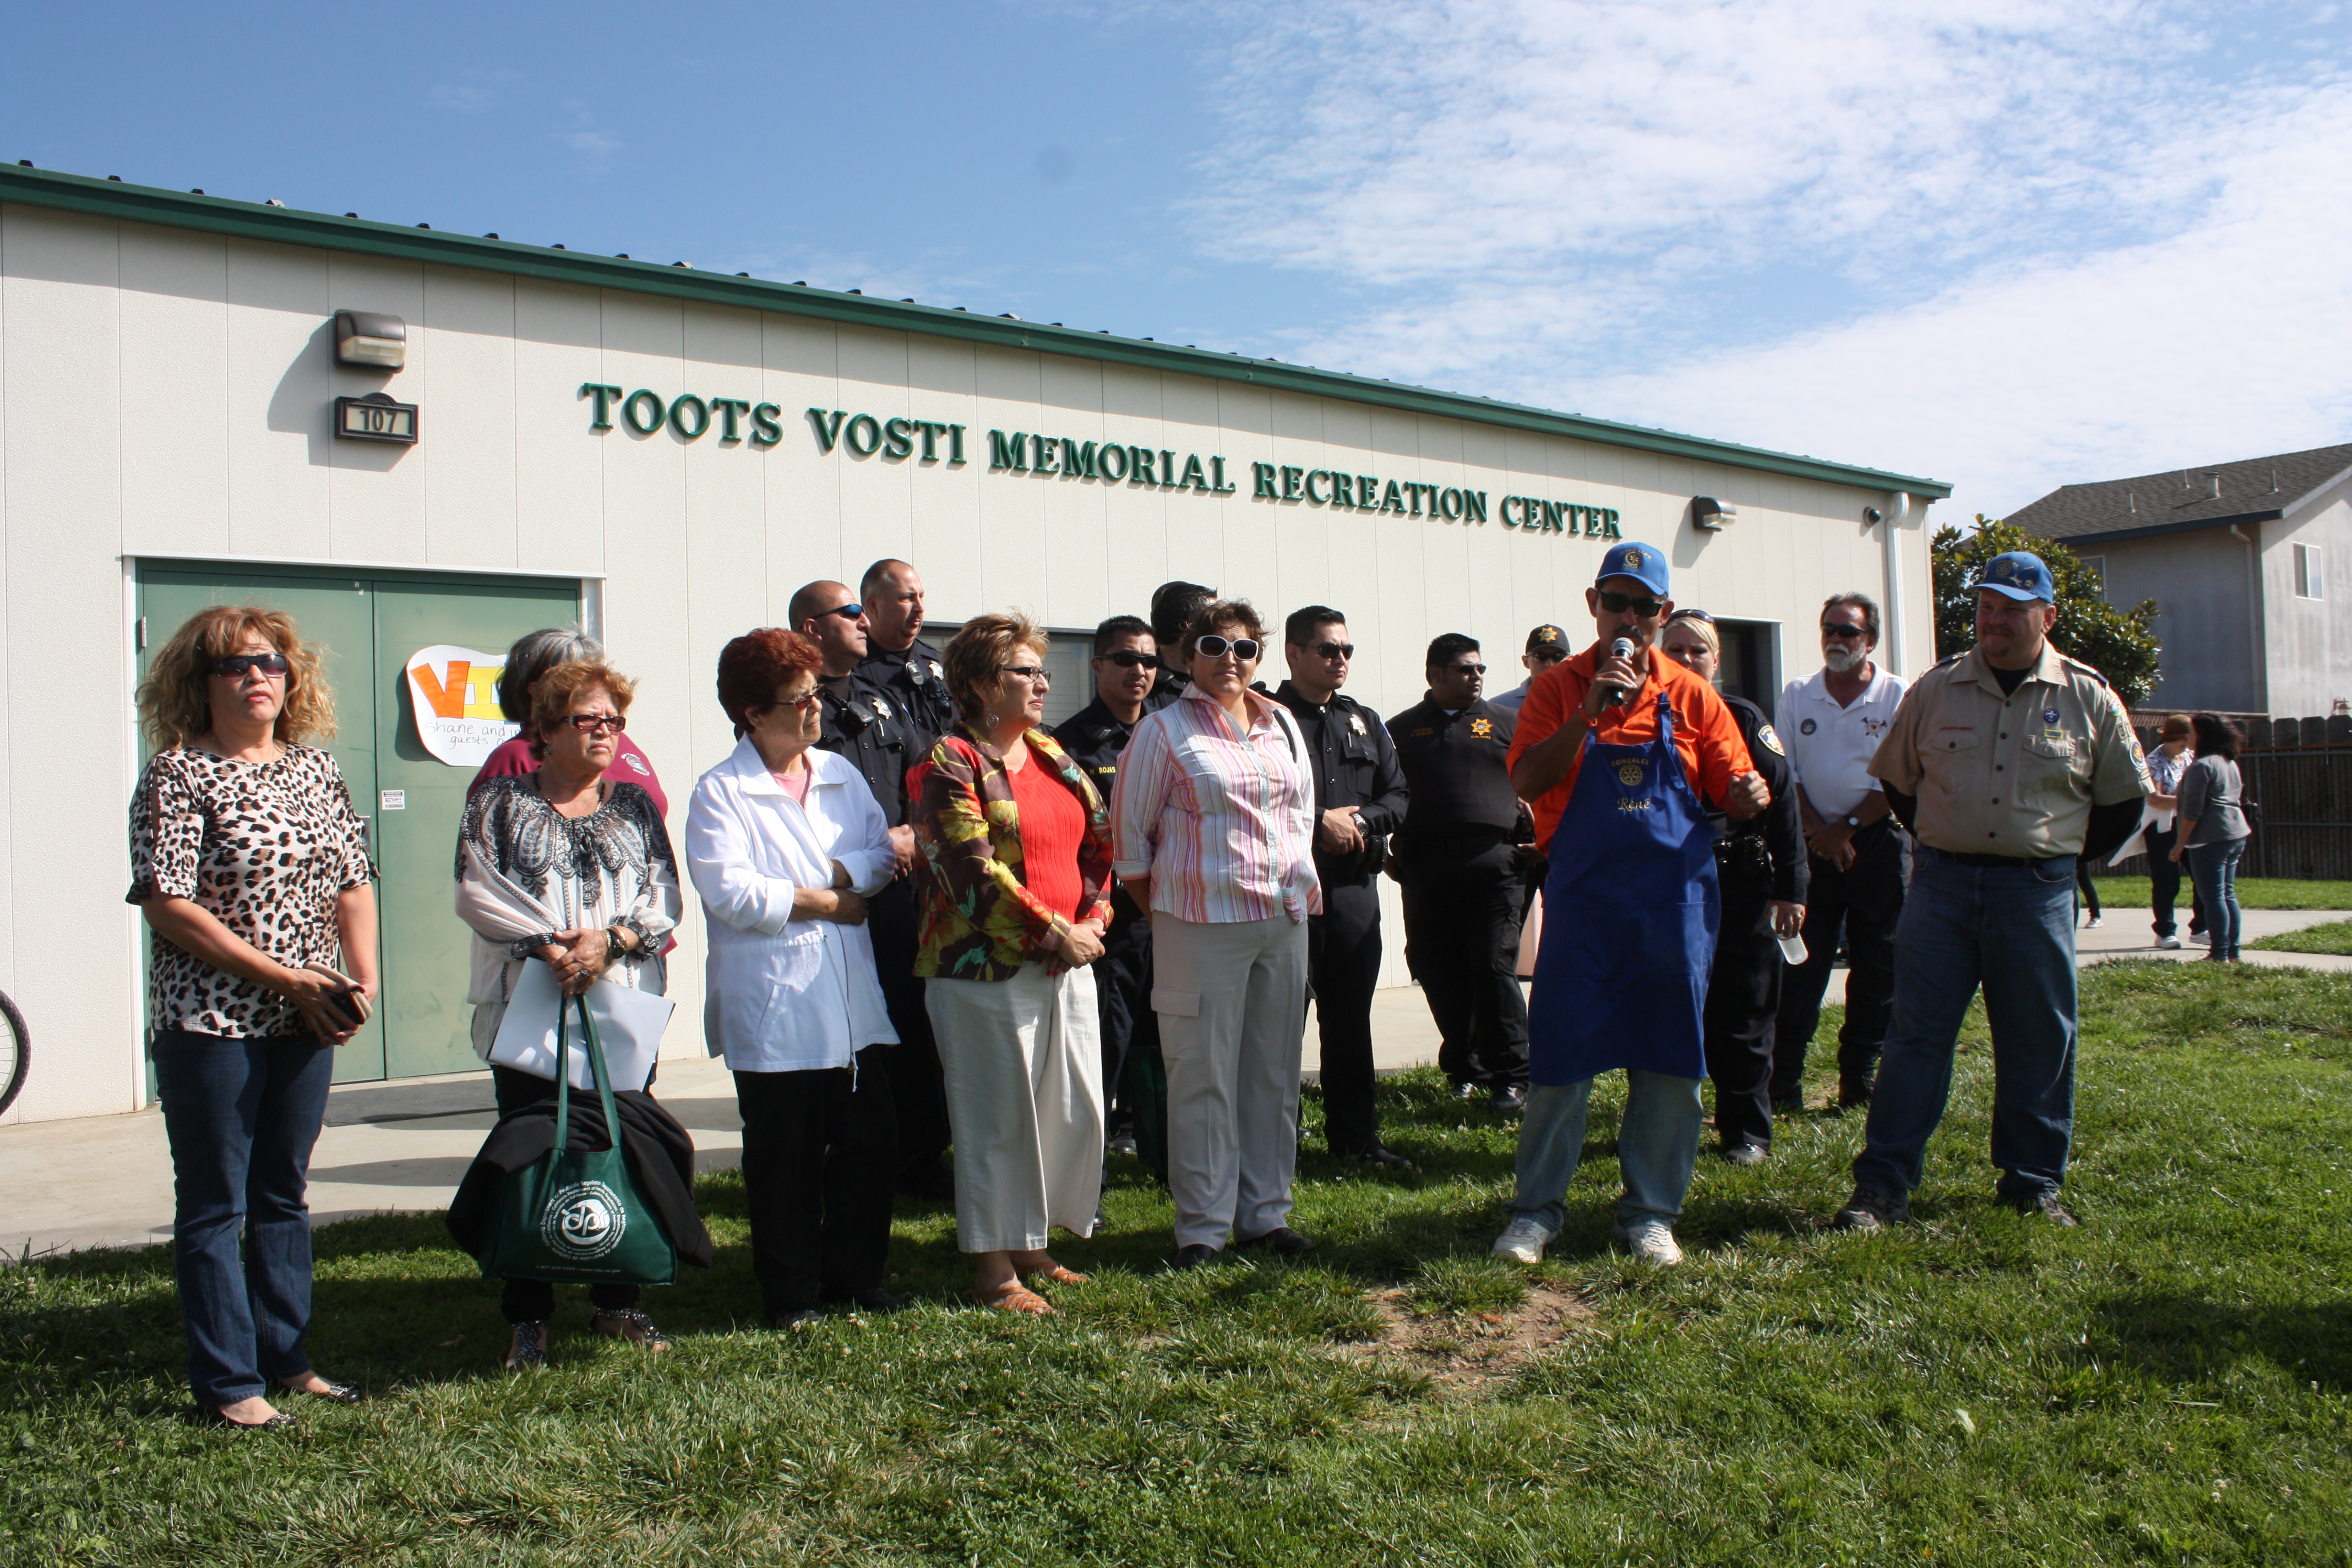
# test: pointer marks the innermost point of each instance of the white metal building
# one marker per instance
(665, 455)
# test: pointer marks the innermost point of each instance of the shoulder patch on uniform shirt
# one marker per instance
(1771, 742)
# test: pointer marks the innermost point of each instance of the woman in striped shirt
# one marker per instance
(1213, 824)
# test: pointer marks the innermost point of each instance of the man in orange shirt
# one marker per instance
(1618, 750)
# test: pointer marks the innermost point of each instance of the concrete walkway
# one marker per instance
(107, 1180)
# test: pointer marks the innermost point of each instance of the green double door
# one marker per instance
(366, 626)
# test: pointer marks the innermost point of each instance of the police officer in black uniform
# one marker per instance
(897, 659)
(1457, 860)
(1761, 867)
(862, 722)
(1360, 800)
(1173, 605)
(1126, 660)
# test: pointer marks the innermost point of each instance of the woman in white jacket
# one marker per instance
(783, 842)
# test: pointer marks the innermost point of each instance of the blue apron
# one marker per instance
(1630, 907)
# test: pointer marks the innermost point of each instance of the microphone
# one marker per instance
(1622, 649)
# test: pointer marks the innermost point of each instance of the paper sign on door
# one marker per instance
(455, 693)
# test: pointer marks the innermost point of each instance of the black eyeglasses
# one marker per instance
(1035, 674)
(1837, 629)
(1128, 658)
(1244, 648)
(1690, 616)
(234, 666)
(593, 723)
(1332, 650)
(1618, 604)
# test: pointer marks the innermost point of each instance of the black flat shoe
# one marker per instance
(1381, 1157)
(871, 1298)
(1192, 1256)
(785, 1320)
(211, 1416)
(1282, 1241)
(1509, 1099)
(341, 1393)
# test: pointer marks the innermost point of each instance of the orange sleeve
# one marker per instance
(1557, 693)
(1722, 753)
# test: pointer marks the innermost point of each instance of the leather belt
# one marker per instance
(2010, 862)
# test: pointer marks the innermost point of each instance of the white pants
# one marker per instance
(1232, 1000)
(1022, 1060)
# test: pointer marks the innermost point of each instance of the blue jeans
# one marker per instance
(1656, 1147)
(2010, 928)
(242, 1116)
(2214, 869)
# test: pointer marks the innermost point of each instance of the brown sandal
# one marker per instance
(1014, 1297)
(1058, 1275)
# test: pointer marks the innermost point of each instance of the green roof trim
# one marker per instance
(285, 225)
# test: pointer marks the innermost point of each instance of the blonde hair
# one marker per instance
(1705, 629)
(553, 694)
(174, 701)
(975, 655)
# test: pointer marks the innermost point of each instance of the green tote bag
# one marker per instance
(574, 1216)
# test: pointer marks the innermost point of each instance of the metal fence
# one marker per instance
(2299, 800)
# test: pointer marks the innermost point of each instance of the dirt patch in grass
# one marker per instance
(1468, 1354)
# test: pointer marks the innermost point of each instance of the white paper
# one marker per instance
(454, 692)
(2137, 843)
(629, 1023)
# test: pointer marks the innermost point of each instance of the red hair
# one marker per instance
(754, 666)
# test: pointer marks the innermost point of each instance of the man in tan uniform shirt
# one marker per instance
(2007, 762)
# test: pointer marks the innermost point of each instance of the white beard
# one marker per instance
(1841, 659)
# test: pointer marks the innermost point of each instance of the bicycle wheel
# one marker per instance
(16, 1052)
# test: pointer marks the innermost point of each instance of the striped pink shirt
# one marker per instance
(1224, 825)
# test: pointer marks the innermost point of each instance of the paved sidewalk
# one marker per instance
(106, 1180)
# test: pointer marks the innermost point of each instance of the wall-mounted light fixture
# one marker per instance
(365, 340)
(1712, 515)
(1872, 517)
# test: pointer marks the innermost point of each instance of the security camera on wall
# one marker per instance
(1712, 515)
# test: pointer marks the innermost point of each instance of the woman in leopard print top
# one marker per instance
(251, 867)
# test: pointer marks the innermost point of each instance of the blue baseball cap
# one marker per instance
(1644, 562)
(2021, 575)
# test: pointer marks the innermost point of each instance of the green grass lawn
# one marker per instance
(2172, 1382)
(2336, 936)
(2254, 893)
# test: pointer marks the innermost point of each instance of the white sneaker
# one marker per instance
(1523, 1241)
(2168, 943)
(2093, 924)
(1651, 1240)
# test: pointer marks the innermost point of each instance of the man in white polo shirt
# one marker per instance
(1831, 723)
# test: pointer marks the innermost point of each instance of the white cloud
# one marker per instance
(2007, 243)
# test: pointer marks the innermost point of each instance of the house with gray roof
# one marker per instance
(2237, 557)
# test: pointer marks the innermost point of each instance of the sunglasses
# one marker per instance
(1618, 604)
(1128, 658)
(803, 702)
(848, 612)
(1836, 629)
(234, 666)
(1461, 670)
(1244, 648)
(1034, 674)
(596, 723)
(1332, 650)
(1546, 655)
(1690, 616)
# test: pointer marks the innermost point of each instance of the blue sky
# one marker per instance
(2007, 243)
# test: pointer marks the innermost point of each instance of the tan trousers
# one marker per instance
(1232, 1001)
(1023, 1061)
